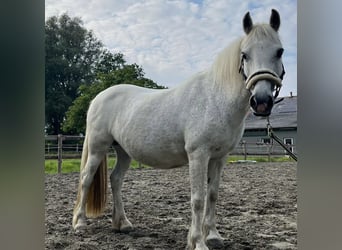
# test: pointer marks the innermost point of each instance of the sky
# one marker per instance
(174, 39)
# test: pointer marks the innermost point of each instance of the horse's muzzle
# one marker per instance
(261, 104)
(260, 84)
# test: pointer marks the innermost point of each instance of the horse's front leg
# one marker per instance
(198, 165)
(213, 238)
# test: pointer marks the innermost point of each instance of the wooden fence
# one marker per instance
(69, 146)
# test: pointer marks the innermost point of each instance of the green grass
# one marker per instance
(68, 166)
(73, 165)
(260, 158)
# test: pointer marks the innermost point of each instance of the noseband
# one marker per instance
(263, 74)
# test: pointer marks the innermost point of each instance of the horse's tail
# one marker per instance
(97, 194)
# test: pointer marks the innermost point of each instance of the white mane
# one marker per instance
(225, 69)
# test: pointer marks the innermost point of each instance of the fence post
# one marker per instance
(269, 152)
(59, 155)
(244, 149)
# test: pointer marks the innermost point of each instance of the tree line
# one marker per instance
(77, 68)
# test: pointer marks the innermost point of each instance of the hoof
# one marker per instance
(215, 243)
(123, 227)
(214, 240)
(80, 225)
(126, 229)
(199, 246)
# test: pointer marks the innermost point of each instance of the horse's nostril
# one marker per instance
(253, 102)
(261, 105)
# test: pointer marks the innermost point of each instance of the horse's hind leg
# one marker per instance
(119, 220)
(213, 238)
(93, 160)
(87, 176)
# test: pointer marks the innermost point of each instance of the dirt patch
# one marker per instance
(257, 209)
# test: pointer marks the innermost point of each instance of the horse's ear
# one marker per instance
(247, 23)
(275, 20)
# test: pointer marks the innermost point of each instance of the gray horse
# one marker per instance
(196, 123)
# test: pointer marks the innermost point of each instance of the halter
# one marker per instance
(263, 74)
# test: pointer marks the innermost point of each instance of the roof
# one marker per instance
(284, 115)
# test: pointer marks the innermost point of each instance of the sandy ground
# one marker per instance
(257, 209)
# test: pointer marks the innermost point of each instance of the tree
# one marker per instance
(112, 71)
(72, 55)
(109, 62)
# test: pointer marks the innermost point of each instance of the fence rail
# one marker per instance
(70, 147)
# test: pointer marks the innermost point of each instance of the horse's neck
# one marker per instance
(229, 102)
(231, 99)
(235, 110)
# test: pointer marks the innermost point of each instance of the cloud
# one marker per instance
(173, 40)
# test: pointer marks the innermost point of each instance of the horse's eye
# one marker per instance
(280, 52)
(244, 56)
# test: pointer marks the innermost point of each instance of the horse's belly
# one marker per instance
(163, 161)
(157, 157)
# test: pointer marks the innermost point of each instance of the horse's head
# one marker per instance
(261, 64)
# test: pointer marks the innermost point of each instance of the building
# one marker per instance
(283, 120)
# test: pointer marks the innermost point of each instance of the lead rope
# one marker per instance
(271, 134)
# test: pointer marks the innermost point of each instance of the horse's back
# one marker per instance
(116, 99)
(121, 91)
